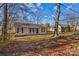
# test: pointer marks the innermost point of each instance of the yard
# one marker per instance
(34, 37)
(44, 45)
(38, 37)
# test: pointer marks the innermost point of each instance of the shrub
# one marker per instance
(4, 43)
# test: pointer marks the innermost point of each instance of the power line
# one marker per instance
(70, 9)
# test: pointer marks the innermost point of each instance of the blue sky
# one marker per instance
(48, 10)
(51, 10)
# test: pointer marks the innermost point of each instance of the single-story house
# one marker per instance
(27, 29)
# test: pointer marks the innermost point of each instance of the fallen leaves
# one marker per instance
(52, 47)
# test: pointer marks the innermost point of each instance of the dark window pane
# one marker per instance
(17, 30)
(22, 30)
(29, 30)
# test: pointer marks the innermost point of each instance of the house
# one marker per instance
(27, 29)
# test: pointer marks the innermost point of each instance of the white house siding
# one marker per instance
(39, 31)
(25, 30)
(34, 31)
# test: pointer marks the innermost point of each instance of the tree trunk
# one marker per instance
(57, 19)
(4, 27)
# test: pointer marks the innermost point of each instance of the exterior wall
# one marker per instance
(34, 31)
(25, 30)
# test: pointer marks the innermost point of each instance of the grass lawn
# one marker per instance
(43, 45)
(37, 37)
(34, 37)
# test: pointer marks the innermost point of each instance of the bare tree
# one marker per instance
(4, 27)
(72, 21)
(57, 19)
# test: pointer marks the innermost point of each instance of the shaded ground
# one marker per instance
(63, 45)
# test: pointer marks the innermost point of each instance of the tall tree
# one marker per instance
(57, 19)
(4, 27)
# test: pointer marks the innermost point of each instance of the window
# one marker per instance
(42, 29)
(31, 30)
(22, 29)
(17, 30)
